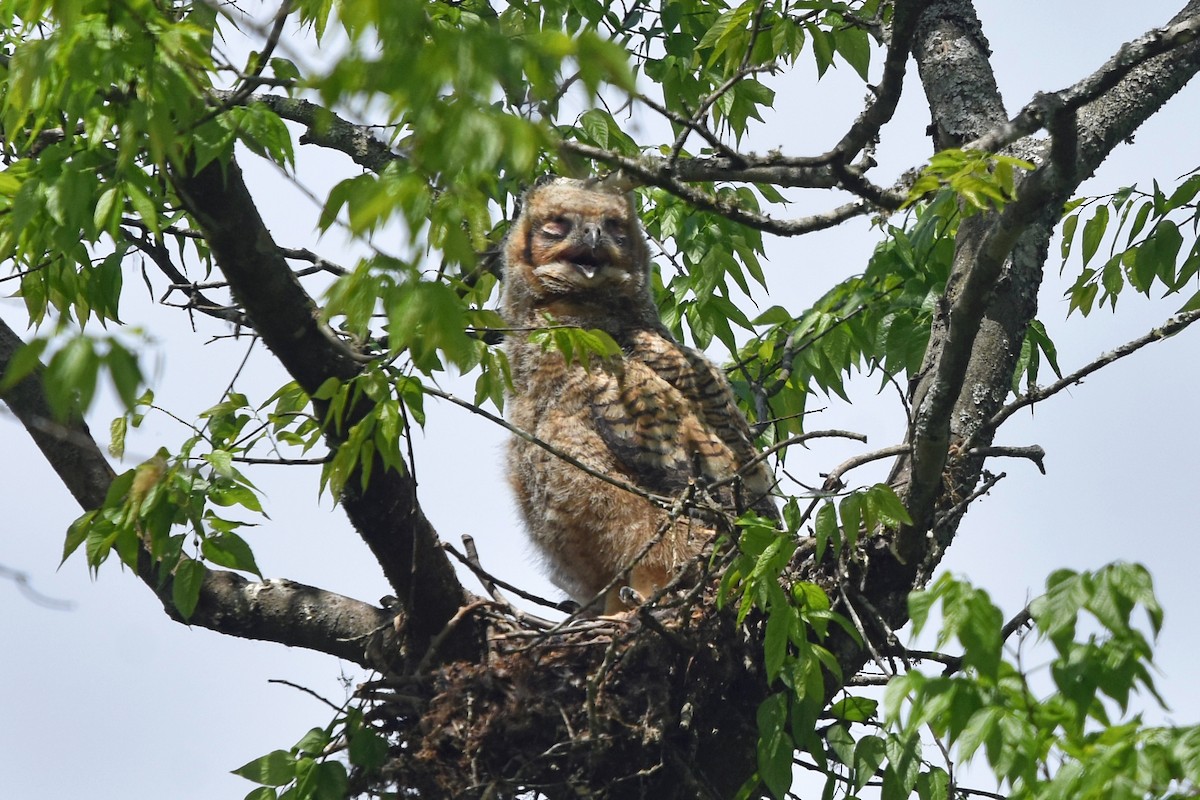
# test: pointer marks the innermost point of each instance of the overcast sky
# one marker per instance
(111, 699)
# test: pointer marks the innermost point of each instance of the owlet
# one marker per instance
(659, 417)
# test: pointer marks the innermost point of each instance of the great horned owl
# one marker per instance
(658, 417)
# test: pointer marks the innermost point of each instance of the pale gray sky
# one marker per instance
(113, 700)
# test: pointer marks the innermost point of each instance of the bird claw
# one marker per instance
(630, 597)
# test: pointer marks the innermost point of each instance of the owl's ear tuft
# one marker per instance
(523, 198)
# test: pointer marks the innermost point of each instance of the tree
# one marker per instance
(123, 127)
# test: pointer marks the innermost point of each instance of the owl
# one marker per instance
(659, 417)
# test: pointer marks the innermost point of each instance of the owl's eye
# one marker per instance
(555, 228)
(615, 228)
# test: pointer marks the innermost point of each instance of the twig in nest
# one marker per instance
(491, 582)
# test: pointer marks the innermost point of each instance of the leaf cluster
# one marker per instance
(982, 181)
(1072, 738)
(1149, 245)
(796, 620)
(878, 320)
(311, 770)
(148, 505)
(704, 55)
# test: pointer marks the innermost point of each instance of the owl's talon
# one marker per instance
(630, 597)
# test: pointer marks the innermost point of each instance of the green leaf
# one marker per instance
(276, 768)
(869, 753)
(226, 495)
(775, 641)
(854, 709)
(854, 45)
(222, 462)
(229, 550)
(329, 781)
(125, 372)
(887, 506)
(71, 376)
(313, 743)
(1068, 235)
(77, 533)
(850, 510)
(826, 529)
(981, 727)
(23, 363)
(775, 745)
(841, 743)
(185, 589)
(934, 784)
(285, 69)
(116, 437)
(367, 749)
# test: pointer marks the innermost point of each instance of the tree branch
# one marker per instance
(887, 96)
(322, 127)
(658, 172)
(1036, 395)
(386, 513)
(273, 610)
(1037, 113)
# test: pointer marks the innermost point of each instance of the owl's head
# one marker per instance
(576, 241)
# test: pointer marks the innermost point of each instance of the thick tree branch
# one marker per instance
(385, 513)
(1036, 114)
(273, 610)
(991, 293)
(966, 376)
(1142, 91)
(67, 445)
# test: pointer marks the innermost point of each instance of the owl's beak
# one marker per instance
(591, 235)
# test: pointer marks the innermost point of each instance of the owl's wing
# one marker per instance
(670, 418)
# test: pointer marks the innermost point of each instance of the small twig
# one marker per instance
(775, 448)
(1167, 329)
(862, 630)
(319, 264)
(308, 691)
(743, 72)
(647, 618)
(658, 500)
(983, 488)
(325, 459)
(25, 585)
(445, 632)
(1021, 620)
(196, 299)
(833, 480)
(679, 119)
(487, 578)
(254, 78)
(952, 663)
